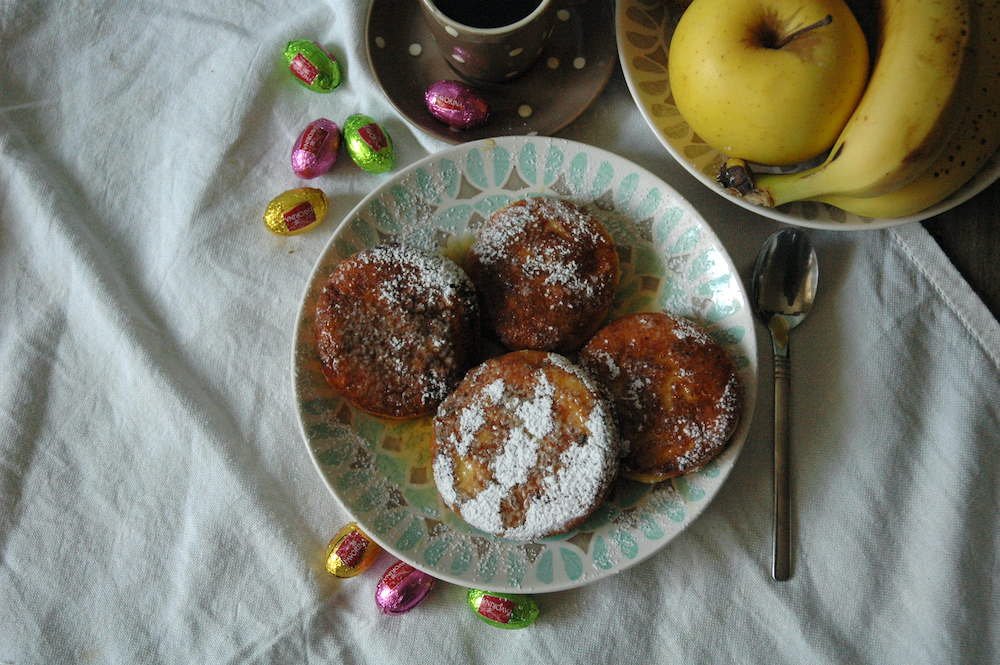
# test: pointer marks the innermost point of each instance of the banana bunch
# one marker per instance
(927, 121)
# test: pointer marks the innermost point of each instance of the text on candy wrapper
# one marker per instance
(496, 609)
(302, 68)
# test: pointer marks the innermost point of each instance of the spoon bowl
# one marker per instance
(784, 278)
(783, 287)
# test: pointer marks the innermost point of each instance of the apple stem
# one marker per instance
(826, 20)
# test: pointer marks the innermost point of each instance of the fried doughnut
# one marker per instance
(396, 329)
(546, 272)
(525, 447)
(675, 392)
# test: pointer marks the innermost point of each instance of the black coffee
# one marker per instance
(486, 13)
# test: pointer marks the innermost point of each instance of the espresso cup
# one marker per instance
(489, 40)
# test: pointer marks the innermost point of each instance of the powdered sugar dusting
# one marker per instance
(707, 435)
(494, 391)
(675, 391)
(444, 476)
(520, 451)
(472, 417)
(609, 362)
(568, 484)
(537, 414)
(483, 510)
(546, 271)
(511, 224)
(400, 319)
(426, 273)
(559, 270)
(518, 456)
(635, 390)
(469, 422)
(572, 486)
(563, 363)
(684, 329)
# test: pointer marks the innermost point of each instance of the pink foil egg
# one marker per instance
(401, 588)
(315, 150)
(456, 104)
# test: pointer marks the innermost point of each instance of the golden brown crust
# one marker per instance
(675, 390)
(546, 272)
(525, 447)
(396, 329)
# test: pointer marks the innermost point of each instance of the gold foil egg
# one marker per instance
(350, 552)
(295, 211)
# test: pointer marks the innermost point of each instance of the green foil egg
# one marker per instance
(311, 66)
(503, 610)
(368, 144)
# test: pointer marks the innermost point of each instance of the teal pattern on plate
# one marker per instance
(543, 570)
(433, 553)
(571, 563)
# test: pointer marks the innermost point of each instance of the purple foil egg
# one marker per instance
(315, 150)
(456, 104)
(401, 588)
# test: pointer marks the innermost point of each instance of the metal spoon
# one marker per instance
(784, 287)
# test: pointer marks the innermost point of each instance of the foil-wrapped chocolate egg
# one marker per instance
(350, 552)
(315, 151)
(503, 610)
(312, 66)
(456, 104)
(401, 588)
(368, 144)
(295, 211)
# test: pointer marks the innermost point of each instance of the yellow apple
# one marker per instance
(769, 81)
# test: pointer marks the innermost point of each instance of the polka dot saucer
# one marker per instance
(569, 75)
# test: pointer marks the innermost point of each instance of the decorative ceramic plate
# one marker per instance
(644, 29)
(569, 75)
(381, 470)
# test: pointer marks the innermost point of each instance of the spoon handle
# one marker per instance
(781, 568)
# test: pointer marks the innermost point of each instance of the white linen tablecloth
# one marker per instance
(157, 504)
